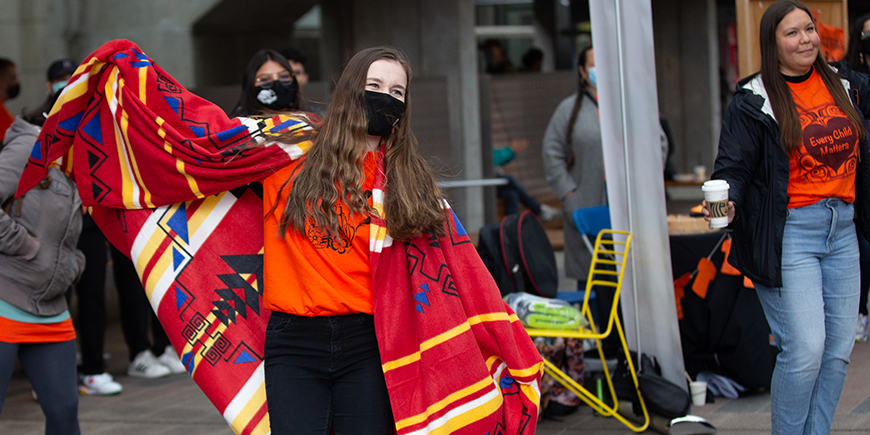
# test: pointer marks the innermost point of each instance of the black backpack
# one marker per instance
(519, 255)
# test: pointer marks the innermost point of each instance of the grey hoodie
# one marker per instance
(38, 232)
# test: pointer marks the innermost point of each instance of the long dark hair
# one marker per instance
(777, 88)
(853, 53)
(248, 105)
(332, 171)
(582, 89)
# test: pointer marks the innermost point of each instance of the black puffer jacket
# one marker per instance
(755, 165)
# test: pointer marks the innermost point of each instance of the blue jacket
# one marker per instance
(755, 165)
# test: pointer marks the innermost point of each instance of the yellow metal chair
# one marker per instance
(610, 252)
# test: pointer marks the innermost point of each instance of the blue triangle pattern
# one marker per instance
(244, 357)
(180, 298)
(177, 259)
(36, 152)
(460, 230)
(187, 360)
(173, 103)
(226, 135)
(422, 298)
(71, 123)
(92, 129)
(178, 222)
(197, 130)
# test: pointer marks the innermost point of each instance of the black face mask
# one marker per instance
(382, 112)
(277, 96)
(12, 91)
(865, 46)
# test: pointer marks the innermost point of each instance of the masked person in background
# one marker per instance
(268, 86)
(9, 89)
(59, 73)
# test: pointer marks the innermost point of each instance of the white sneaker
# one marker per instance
(145, 365)
(549, 214)
(99, 385)
(171, 361)
(861, 328)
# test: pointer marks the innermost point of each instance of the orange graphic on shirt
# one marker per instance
(829, 144)
(824, 165)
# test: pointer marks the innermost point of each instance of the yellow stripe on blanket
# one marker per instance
(130, 154)
(440, 405)
(464, 415)
(252, 407)
(179, 164)
(426, 345)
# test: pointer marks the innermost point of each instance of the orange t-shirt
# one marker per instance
(314, 274)
(13, 331)
(824, 165)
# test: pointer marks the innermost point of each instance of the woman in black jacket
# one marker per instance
(793, 151)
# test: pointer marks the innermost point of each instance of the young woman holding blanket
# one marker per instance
(793, 151)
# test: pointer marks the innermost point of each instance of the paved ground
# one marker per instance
(175, 406)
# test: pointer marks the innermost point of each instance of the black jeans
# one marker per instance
(325, 372)
(51, 369)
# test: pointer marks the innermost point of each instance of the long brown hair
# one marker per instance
(778, 91)
(581, 92)
(332, 172)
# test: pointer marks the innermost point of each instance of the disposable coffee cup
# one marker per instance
(716, 195)
(699, 392)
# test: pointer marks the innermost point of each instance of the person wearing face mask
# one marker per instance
(574, 161)
(858, 55)
(9, 89)
(268, 86)
(326, 301)
(327, 366)
(59, 73)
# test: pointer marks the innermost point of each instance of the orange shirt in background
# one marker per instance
(824, 165)
(315, 274)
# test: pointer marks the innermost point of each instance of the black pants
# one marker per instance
(325, 372)
(51, 369)
(136, 312)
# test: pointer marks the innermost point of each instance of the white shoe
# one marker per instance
(99, 385)
(145, 365)
(861, 328)
(549, 214)
(171, 361)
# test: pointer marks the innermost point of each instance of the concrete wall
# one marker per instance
(438, 38)
(36, 32)
(687, 66)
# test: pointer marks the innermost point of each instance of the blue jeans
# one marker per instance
(325, 372)
(812, 316)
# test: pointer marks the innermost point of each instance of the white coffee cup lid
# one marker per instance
(714, 185)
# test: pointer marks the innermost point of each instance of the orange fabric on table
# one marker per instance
(12, 331)
(315, 274)
(824, 165)
(680, 292)
(706, 274)
(727, 268)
